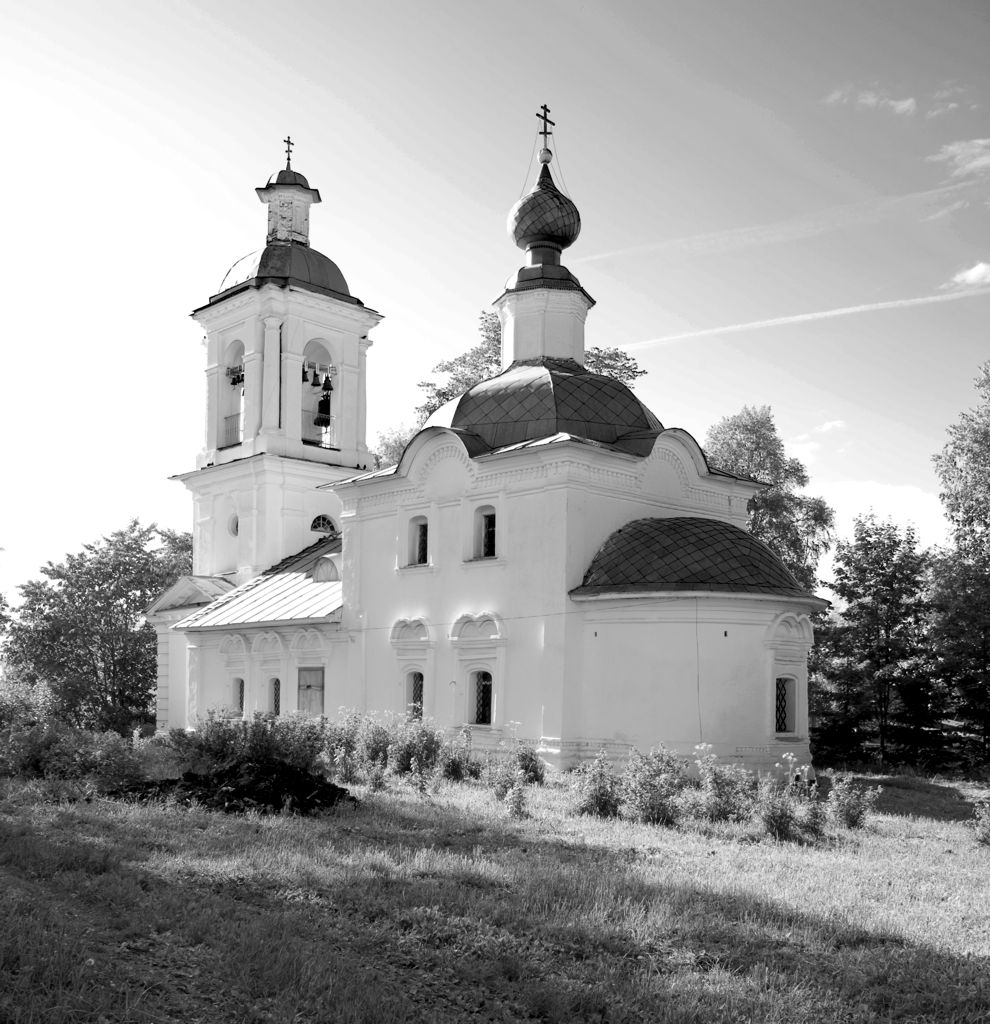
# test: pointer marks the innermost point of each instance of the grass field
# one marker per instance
(440, 908)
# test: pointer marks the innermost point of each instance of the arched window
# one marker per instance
(318, 404)
(414, 694)
(323, 524)
(231, 424)
(484, 532)
(325, 571)
(481, 698)
(275, 686)
(784, 704)
(419, 541)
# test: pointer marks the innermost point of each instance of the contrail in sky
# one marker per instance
(796, 228)
(803, 318)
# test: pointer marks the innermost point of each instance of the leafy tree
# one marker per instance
(799, 528)
(959, 639)
(81, 632)
(391, 444)
(878, 643)
(963, 467)
(485, 360)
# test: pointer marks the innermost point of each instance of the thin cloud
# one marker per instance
(803, 318)
(829, 426)
(872, 99)
(976, 276)
(821, 222)
(966, 158)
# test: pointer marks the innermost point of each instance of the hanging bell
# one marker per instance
(316, 376)
(323, 417)
(305, 379)
(327, 383)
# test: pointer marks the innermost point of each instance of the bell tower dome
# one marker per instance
(286, 345)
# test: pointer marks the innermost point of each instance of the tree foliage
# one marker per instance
(959, 642)
(877, 681)
(798, 527)
(963, 467)
(485, 360)
(80, 631)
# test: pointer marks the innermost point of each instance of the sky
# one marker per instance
(784, 203)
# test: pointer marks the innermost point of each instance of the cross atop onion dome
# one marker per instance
(544, 222)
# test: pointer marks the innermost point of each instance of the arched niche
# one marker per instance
(307, 640)
(267, 644)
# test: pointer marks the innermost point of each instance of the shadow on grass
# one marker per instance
(578, 935)
(907, 796)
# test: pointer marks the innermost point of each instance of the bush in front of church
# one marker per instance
(599, 790)
(652, 785)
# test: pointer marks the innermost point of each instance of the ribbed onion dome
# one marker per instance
(544, 216)
(686, 553)
(534, 400)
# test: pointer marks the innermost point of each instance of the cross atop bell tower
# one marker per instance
(289, 198)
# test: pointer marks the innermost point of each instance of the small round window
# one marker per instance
(323, 524)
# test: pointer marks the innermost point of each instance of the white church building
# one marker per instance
(547, 559)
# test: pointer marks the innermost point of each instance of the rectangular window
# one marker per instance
(488, 535)
(421, 554)
(783, 714)
(311, 691)
(416, 695)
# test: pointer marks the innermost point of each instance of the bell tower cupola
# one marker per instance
(286, 382)
(289, 198)
(543, 307)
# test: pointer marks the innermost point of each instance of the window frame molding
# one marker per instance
(479, 654)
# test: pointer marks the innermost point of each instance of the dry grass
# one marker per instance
(441, 908)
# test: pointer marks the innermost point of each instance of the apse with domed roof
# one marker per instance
(547, 561)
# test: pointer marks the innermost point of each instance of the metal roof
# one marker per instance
(686, 553)
(544, 397)
(285, 263)
(285, 593)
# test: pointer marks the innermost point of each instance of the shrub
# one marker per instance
(500, 775)
(726, 790)
(529, 762)
(414, 741)
(515, 799)
(263, 739)
(57, 751)
(598, 788)
(812, 816)
(775, 809)
(456, 764)
(981, 823)
(651, 786)
(849, 805)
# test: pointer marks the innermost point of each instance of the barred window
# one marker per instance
(481, 710)
(419, 541)
(239, 695)
(783, 710)
(414, 687)
(276, 685)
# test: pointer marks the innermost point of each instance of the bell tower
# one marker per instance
(286, 374)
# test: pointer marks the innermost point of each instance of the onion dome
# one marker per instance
(544, 217)
(539, 399)
(285, 263)
(686, 553)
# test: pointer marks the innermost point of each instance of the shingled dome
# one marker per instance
(289, 263)
(532, 400)
(544, 216)
(685, 553)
